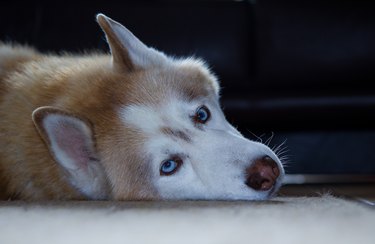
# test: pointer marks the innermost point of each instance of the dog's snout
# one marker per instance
(262, 174)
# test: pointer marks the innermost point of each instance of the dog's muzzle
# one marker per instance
(262, 174)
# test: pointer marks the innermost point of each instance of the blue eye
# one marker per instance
(202, 115)
(170, 166)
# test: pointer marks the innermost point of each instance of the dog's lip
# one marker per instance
(272, 192)
(274, 189)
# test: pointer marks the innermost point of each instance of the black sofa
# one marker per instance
(291, 70)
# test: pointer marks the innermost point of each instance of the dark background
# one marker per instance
(302, 71)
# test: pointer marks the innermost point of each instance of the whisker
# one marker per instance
(283, 152)
(262, 135)
(279, 146)
(284, 159)
(268, 141)
(259, 138)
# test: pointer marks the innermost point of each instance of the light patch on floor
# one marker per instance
(283, 220)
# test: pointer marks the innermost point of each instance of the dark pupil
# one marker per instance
(202, 115)
(167, 165)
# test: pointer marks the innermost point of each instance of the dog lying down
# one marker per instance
(133, 125)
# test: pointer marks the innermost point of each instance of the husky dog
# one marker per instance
(133, 125)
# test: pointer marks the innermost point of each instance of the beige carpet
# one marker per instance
(283, 220)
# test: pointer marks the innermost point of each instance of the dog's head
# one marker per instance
(171, 140)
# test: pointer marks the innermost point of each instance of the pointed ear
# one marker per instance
(128, 52)
(71, 143)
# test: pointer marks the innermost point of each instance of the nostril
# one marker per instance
(262, 174)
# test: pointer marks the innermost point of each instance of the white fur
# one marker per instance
(216, 157)
(214, 161)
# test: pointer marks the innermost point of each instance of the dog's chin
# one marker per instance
(250, 195)
(266, 195)
(247, 196)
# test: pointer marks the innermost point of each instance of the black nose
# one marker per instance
(262, 174)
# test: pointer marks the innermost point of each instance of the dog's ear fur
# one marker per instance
(128, 52)
(71, 143)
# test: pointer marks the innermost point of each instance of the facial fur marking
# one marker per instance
(176, 134)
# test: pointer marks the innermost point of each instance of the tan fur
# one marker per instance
(87, 86)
